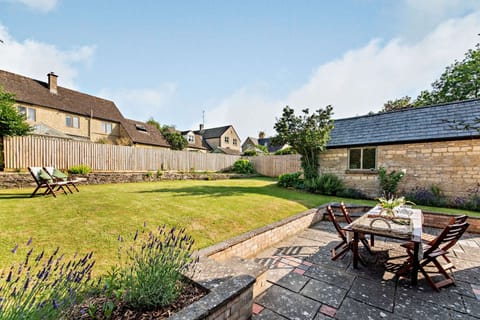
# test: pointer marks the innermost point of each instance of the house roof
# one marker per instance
(37, 92)
(212, 132)
(199, 143)
(270, 147)
(252, 140)
(144, 133)
(227, 151)
(407, 125)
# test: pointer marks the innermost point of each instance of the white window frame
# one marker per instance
(234, 141)
(107, 127)
(72, 121)
(191, 138)
(29, 113)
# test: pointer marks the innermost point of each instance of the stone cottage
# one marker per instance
(426, 143)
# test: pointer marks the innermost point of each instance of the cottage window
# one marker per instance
(106, 127)
(362, 158)
(72, 122)
(227, 139)
(234, 141)
(29, 113)
(191, 138)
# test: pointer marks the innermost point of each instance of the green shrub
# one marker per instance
(43, 286)
(352, 194)
(389, 181)
(427, 197)
(149, 274)
(250, 153)
(243, 166)
(290, 180)
(288, 150)
(80, 169)
(328, 184)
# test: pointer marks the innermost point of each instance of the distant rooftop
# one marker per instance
(407, 125)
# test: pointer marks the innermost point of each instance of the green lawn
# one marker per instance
(211, 211)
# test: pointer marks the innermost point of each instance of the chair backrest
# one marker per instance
(448, 237)
(346, 215)
(49, 170)
(35, 172)
(458, 219)
(331, 215)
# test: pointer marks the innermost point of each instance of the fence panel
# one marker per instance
(273, 166)
(28, 151)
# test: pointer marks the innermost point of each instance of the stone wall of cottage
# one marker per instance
(88, 128)
(454, 166)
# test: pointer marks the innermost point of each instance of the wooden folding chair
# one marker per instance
(348, 219)
(429, 238)
(42, 179)
(68, 182)
(345, 243)
(438, 247)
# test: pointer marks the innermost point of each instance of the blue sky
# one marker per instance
(239, 61)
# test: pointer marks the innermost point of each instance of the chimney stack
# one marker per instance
(261, 135)
(201, 126)
(52, 82)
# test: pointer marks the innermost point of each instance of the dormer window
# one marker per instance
(140, 127)
(191, 138)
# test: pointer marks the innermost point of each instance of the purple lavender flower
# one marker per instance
(14, 250)
(29, 242)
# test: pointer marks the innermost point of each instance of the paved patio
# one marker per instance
(304, 283)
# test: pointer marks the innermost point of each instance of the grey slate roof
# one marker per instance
(212, 132)
(408, 125)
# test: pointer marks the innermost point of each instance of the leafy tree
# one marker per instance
(173, 137)
(12, 123)
(397, 104)
(459, 81)
(308, 134)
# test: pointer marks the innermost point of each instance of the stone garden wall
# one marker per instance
(9, 180)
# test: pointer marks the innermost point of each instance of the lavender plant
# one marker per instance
(42, 286)
(151, 267)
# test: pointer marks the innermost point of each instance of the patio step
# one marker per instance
(210, 273)
(250, 267)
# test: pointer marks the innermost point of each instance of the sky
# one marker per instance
(238, 62)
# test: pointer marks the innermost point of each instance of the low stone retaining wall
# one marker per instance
(232, 299)
(11, 180)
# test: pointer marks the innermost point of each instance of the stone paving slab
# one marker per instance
(306, 284)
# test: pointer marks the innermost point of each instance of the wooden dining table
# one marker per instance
(407, 226)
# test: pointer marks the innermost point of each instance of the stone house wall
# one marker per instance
(454, 166)
(88, 128)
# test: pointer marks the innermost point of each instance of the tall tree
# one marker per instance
(459, 81)
(308, 134)
(397, 104)
(174, 138)
(12, 123)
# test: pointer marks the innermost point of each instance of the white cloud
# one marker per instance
(141, 104)
(35, 59)
(360, 81)
(39, 5)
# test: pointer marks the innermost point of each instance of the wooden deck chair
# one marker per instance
(43, 180)
(429, 238)
(345, 244)
(58, 176)
(349, 220)
(438, 247)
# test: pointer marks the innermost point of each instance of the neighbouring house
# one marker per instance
(422, 142)
(251, 143)
(195, 141)
(142, 134)
(221, 140)
(57, 111)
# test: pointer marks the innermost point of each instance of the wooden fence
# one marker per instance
(23, 152)
(273, 166)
